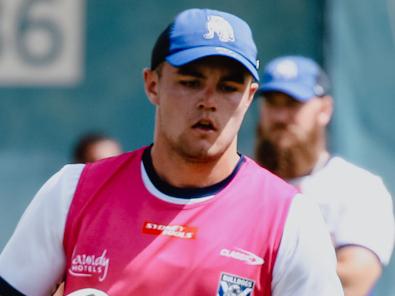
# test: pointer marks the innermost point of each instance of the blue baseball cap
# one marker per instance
(197, 33)
(296, 76)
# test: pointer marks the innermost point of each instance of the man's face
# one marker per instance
(200, 106)
(286, 121)
(102, 149)
(290, 133)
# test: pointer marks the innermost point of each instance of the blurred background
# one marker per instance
(72, 66)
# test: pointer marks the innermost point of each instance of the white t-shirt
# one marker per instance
(355, 204)
(33, 261)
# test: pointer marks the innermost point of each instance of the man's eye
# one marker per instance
(272, 102)
(294, 104)
(190, 83)
(228, 88)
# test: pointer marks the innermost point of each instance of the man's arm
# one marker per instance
(358, 269)
(364, 238)
(33, 260)
(306, 261)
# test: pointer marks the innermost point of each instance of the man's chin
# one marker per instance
(280, 137)
(284, 144)
(199, 153)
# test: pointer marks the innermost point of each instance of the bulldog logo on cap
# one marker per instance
(286, 69)
(220, 26)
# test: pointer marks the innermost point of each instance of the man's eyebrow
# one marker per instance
(233, 76)
(189, 71)
(238, 77)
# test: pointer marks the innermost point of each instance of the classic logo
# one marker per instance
(178, 231)
(221, 27)
(88, 292)
(242, 255)
(233, 285)
(83, 265)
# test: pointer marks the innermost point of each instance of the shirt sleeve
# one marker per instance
(368, 220)
(33, 260)
(306, 261)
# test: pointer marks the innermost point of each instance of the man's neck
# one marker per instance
(181, 172)
(305, 168)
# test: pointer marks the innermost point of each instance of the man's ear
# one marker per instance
(151, 84)
(253, 89)
(326, 110)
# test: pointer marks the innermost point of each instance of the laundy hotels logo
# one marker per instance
(176, 231)
(233, 285)
(88, 265)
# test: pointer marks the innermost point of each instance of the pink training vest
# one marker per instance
(120, 240)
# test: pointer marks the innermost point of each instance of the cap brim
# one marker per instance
(189, 55)
(295, 90)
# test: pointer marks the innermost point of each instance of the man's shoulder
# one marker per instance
(265, 178)
(345, 181)
(253, 168)
(346, 170)
(114, 162)
(100, 171)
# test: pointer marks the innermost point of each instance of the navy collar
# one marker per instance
(185, 192)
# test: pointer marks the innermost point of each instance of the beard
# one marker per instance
(291, 160)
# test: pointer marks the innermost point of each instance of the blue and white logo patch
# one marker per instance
(233, 285)
(217, 25)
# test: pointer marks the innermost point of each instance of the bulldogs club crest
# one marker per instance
(232, 285)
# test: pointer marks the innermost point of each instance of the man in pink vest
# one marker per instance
(187, 215)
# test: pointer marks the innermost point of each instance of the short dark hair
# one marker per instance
(161, 48)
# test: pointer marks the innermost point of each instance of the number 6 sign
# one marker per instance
(41, 42)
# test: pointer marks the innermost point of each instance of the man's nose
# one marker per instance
(208, 99)
(281, 114)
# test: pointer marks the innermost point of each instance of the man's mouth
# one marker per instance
(204, 124)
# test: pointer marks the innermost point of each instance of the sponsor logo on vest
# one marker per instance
(233, 285)
(88, 292)
(242, 255)
(83, 265)
(217, 25)
(177, 231)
